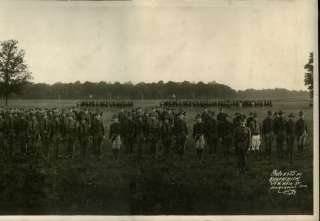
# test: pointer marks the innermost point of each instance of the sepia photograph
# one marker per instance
(205, 109)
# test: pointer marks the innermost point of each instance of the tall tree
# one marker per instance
(308, 76)
(14, 72)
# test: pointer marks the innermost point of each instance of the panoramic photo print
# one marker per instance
(158, 107)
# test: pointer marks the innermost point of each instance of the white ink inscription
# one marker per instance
(286, 182)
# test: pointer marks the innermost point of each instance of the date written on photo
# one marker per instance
(286, 182)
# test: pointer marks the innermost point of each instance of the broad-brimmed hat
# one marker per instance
(291, 115)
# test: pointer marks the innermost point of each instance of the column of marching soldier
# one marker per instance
(56, 132)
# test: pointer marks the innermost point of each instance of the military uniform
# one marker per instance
(45, 135)
(249, 124)
(83, 136)
(70, 135)
(205, 116)
(212, 135)
(181, 133)
(220, 122)
(23, 134)
(242, 136)
(97, 135)
(128, 131)
(166, 135)
(9, 135)
(115, 137)
(249, 119)
(56, 135)
(140, 134)
(2, 133)
(301, 132)
(153, 131)
(280, 127)
(290, 136)
(267, 134)
(198, 136)
(227, 131)
(33, 134)
(236, 120)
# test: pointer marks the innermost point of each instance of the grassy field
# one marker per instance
(160, 186)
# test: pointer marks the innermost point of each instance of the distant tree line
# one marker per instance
(104, 90)
(277, 94)
(159, 90)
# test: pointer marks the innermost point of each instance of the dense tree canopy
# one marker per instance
(14, 72)
(159, 90)
(103, 90)
(308, 77)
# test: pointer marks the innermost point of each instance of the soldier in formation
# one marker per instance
(301, 132)
(267, 134)
(98, 135)
(166, 128)
(211, 134)
(290, 136)
(52, 133)
(105, 104)
(198, 135)
(255, 129)
(205, 103)
(242, 137)
(227, 133)
(280, 130)
(181, 134)
(115, 136)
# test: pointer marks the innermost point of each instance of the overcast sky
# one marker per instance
(259, 45)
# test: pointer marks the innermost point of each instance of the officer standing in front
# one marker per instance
(198, 136)
(267, 134)
(242, 136)
(280, 127)
(290, 137)
(181, 132)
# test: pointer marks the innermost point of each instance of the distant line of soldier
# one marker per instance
(216, 103)
(178, 103)
(105, 103)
